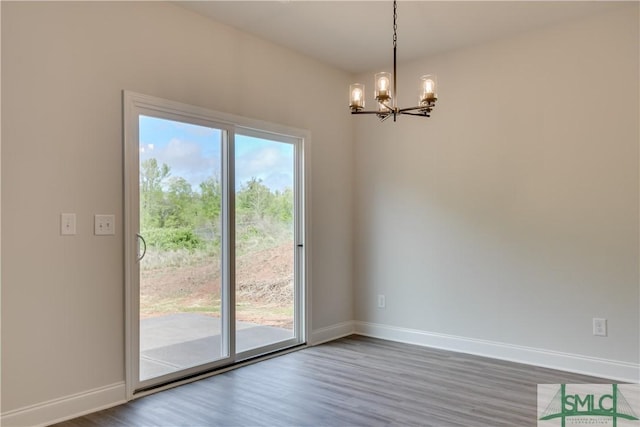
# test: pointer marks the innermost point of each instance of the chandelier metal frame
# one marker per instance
(387, 102)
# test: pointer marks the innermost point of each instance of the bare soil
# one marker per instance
(264, 288)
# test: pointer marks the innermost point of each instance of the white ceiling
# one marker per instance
(357, 36)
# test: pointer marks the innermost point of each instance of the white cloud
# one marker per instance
(273, 166)
(185, 159)
(146, 147)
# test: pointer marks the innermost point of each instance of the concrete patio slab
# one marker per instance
(178, 341)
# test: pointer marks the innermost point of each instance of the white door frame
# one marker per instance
(135, 104)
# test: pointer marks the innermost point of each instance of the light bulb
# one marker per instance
(356, 95)
(383, 86)
(429, 86)
(383, 83)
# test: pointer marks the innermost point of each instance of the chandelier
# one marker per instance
(386, 96)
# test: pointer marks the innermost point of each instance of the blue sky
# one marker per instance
(193, 152)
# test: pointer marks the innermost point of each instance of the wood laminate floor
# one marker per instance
(353, 381)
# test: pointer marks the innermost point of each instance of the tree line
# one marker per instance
(174, 216)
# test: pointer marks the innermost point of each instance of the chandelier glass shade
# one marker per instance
(385, 93)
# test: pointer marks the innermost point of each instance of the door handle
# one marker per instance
(144, 251)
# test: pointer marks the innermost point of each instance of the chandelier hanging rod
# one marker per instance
(384, 96)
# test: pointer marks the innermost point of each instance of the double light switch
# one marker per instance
(104, 225)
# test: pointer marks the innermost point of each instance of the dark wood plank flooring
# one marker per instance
(354, 381)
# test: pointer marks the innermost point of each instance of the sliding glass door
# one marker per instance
(214, 245)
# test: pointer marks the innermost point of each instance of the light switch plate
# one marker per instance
(67, 224)
(104, 225)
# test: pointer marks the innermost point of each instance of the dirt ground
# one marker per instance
(264, 288)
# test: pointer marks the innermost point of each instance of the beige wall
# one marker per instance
(511, 215)
(64, 66)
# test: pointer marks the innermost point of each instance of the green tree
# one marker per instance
(180, 209)
(281, 206)
(152, 179)
(210, 202)
(253, 200)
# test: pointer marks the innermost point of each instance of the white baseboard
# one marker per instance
(603, 368)
(331, 333)
(65, 408)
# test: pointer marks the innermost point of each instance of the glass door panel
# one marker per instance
(181, 310)
(265, 289)
(214, 266)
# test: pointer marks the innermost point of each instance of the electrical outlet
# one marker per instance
(599, 327)
(382, 302)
